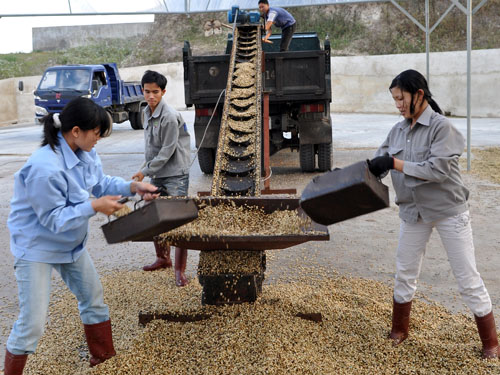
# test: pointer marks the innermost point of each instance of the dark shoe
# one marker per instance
(162, 258)
(14, 364)
(488, 333)
(400, 322)
(180, 266)
(100, 342)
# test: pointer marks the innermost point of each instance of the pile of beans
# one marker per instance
(265, 337)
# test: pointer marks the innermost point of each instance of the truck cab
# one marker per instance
(100, 83)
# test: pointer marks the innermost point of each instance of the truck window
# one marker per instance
(78, 79)
(75, 79)
(48, 80)
(98, 81)
(100, 77)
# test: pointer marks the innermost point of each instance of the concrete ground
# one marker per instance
(361, 247)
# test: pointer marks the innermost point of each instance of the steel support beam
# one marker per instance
(469, 11)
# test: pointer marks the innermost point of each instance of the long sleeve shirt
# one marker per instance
(51, 206)
(431, 185)
(167, 142)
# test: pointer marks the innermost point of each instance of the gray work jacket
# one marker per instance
(431, 186)
(168, 144)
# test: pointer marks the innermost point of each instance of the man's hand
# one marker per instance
(380, 165)
(107, 204)
(147, 191)
(139, 176)
(265, 40)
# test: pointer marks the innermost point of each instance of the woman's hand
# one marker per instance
(107, 204)
(145, 190)
(380, 164)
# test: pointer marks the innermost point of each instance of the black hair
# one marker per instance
(150, 76)
(264, 2)
(411, 81)
(81, 112)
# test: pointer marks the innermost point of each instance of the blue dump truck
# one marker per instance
(101, 83)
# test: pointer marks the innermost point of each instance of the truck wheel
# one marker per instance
(135, 119)
(324, 157)
(206, 159)
(112, 124)
(307, 158)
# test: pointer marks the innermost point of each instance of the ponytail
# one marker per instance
(50, 130)
(434, 105)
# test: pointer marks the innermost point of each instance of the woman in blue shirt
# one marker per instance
(48, 226)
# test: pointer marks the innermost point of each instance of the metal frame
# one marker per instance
(216, 7)
(469, 11)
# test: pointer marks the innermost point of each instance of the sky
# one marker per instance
(15, 32)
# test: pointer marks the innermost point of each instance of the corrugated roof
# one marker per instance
(97, 7)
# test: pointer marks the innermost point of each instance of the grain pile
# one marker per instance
(261, 338)
(230, 262)
(232, 220)
(247, 126)
(485, 163)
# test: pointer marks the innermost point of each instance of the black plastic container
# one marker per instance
(343, 194)
(155, 217)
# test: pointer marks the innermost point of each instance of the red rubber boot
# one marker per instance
(180, 266)
(162, 258)
(100, 342)
(488, 333)
(400, 322)
(14, 364)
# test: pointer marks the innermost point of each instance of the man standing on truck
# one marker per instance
(167, 153)
(280, 18)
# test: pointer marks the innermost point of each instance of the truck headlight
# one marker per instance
(40, 111)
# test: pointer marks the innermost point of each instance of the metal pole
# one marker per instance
(265, 128)
(469, 54)
(427, 39)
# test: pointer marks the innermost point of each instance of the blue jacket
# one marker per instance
(51, 207)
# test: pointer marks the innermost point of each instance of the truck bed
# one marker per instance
(289, 76)
(128, 92)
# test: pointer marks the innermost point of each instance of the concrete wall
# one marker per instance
(17, 106)
(175, 80)
(359, 84)
(62, 37)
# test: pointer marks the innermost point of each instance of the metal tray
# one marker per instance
(343, 194)
(268, 204)
(155, 217)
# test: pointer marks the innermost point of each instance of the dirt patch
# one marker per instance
(486, 164)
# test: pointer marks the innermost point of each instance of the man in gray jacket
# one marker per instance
(167, 154)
